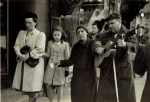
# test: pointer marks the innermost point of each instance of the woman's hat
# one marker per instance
(83, 27)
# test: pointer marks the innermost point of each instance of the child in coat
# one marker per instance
(55, 76)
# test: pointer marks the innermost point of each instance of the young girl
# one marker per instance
(54, 76)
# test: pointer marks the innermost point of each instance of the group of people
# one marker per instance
(102, 71)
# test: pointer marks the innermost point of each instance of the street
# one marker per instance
(9, 95)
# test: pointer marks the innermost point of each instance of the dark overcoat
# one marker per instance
(106, 90)
(142, 64)
(83, 84)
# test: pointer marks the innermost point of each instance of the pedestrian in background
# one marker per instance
(142, 63)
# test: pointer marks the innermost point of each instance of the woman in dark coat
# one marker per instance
(83, 84)
(142, 65)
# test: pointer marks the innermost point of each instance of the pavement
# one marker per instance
(9, 95)
(139, 86)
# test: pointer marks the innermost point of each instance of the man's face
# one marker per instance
(146, 35)
(114, 25)
(94, 29)
(30, 24)
(146, 39)
(144, 31)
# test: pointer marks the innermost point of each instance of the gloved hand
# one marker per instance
(25, 49)
(23, 57)
(121, 43)
(66, 73)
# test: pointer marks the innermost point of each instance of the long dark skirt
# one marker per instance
(83, 90)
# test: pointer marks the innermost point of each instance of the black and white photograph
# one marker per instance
(75, 50)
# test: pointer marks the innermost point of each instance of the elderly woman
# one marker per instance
(83, 85)
(29, 48)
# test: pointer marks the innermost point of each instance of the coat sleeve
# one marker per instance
(17, 45)
(139, 63)
(48, 52)
(71, 60)
(67, 50)
(39, 49)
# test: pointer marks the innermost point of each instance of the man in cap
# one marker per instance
(122, 86)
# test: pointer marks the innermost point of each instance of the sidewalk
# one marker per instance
(9, 95)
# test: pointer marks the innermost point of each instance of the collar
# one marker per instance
(123, 29)
(122, 32)
(86, 43)
(34, 31)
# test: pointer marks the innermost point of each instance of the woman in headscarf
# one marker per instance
(83, 84)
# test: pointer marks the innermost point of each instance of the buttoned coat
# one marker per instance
(56, 52)
(26, 78)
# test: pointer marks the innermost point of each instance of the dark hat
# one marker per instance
(83, 27)
(113, 16)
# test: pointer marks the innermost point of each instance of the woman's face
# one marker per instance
(30, 24)
(57, 35)
(82, 34)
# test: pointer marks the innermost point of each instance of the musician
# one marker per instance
(106, 91)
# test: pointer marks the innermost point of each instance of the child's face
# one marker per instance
(57, 35)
